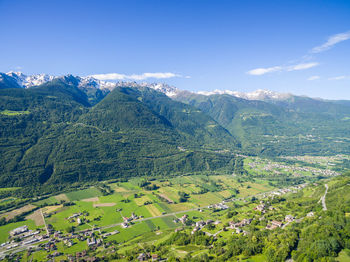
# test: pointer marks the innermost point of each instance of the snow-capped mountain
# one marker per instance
(255, 95)
(32, 80)
(164, 88)
(88, 82)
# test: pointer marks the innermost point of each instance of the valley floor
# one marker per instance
(203, 217)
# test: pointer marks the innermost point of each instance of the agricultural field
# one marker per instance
(146, 211)
(160, 206)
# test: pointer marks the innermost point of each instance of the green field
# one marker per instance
(14, 113)
(83, 194)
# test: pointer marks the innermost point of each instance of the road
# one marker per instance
(42, 215)
(323, 198)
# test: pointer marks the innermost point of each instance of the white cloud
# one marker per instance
(311, 78)
(337, 78)
(111, 76)
(302, 66)
(262, 71)
(332, 40)
(136, 77)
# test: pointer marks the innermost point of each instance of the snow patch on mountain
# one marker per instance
(259, 94)
(164, 88)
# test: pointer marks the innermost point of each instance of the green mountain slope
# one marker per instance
(297, 126)
(194, 125)
(52, 135)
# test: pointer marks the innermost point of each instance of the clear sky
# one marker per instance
(301, 47)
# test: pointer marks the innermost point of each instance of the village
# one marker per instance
(47, 238)
(297, 171)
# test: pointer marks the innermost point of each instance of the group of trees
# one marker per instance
(183, 197)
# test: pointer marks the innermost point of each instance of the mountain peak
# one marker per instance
(87, 82)
(29, 81)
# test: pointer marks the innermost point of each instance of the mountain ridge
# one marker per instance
(86, 82)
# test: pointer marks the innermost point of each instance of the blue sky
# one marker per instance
(302, 47)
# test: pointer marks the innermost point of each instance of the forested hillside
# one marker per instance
(295, 126)
(70, 130)
(52, 134)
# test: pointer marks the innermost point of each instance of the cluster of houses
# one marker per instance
(182, 219)
(278, 166)
(219, 206)
(262, 207)
(237, 226)
(75, 217)
(147, 257)
(125, 224)
(201, 224)
(275, 224)
(94, 241)
(81, 256)
(49, 246)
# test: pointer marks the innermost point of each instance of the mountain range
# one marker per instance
(70, 129)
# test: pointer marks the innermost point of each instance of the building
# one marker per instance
(209, 221)
(91, 241)
(183, 219)
(260, 207)
(310, 214)
(142, 257)
(289, 218)
(276, 223)
(238, 230)
(18, 230)
(200, 224)
(155, 257)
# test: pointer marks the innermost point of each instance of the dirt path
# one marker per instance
(42, 215)
(323, 198)
(104, 205)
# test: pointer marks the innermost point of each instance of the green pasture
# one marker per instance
(83, 194)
